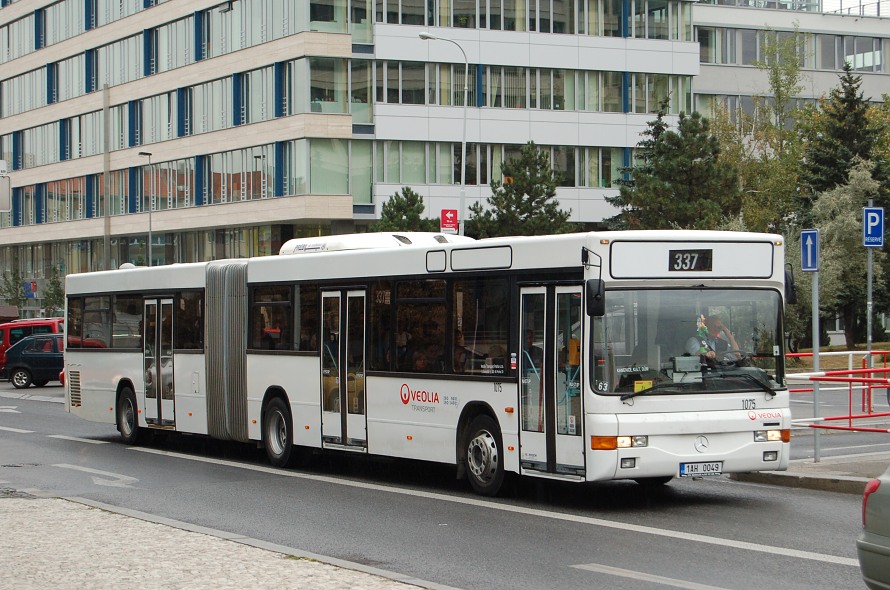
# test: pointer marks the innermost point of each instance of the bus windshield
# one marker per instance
(682, 341)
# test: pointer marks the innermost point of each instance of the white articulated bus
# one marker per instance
(580, 357)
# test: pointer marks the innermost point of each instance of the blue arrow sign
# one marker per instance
(873, 227)
(809, 250)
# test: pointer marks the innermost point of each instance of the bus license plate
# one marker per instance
(701, 469)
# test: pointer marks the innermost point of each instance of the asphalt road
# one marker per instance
(416, 519)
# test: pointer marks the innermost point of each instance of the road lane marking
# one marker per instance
(46, 398)
(525, 511)
(614, 571)
(9, 409)
(117, 480)
(19, 430)
(75, 439)
(41, 398)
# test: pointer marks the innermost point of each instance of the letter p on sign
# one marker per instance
(873, 227)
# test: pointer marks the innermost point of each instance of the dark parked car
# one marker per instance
(873, 545)
(35, 359)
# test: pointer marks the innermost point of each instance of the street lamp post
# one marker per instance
(426, 36)
(150, 207)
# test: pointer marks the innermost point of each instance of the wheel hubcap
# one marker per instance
(127, 415)
(20, 378)
(482, 456)
(277, 432)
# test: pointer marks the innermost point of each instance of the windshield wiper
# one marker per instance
(706, 375)
(747, 376)
(628, 396)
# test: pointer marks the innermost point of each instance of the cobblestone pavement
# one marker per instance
(53, 543)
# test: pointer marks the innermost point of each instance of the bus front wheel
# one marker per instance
(277, 432)
(485, 456)
(127, 416)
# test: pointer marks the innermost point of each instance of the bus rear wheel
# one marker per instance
(277, 433)
(127, 416)
(485, 456)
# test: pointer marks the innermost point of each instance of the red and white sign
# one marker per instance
(448, 221)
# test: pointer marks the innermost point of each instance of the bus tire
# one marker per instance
(278, 436)
(484, 453)
(128, 416)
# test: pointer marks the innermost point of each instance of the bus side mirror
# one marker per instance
(790, 289)
(596, 298)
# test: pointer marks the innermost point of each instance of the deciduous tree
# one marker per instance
(842, 267)
(12, 289)
(54, 294)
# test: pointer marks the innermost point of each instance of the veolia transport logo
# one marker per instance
(405, 393)
(418, 395)
(767, 415)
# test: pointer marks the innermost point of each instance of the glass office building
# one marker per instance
(222, 129)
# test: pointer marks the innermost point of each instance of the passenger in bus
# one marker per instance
(714, 342)
(256, 331)
(305, 338)
(461, 358)
(403, 340)
(267, 342)
(420, 362)
(534, 354)
(331, 348)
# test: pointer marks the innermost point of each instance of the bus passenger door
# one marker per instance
(551, 440)
(343, 369)
(157, 358)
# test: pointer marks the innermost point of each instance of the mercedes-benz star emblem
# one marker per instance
(701, 443)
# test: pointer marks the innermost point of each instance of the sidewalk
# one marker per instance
(76, 544)
(847, 474)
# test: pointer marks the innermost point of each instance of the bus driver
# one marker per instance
(712, 340)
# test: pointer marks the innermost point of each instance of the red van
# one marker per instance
(12, 332)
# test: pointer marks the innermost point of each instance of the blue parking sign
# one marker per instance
(873, 227)
(809, 250)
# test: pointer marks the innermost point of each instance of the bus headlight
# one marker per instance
(610, 443)
(772, 435)
(627, 442)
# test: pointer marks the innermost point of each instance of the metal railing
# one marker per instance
(864, 380)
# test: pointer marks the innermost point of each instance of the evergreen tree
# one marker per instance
(682, 181)
(404, 212)
(643, 162)
(879, 121)
(524, 202)
(840, 133)
(54, 294)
